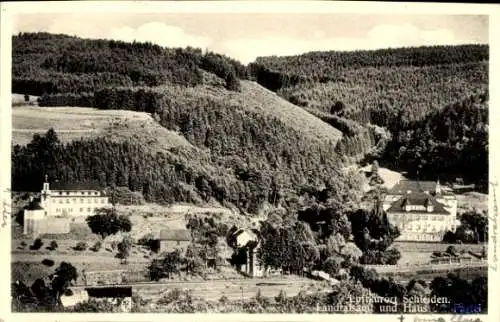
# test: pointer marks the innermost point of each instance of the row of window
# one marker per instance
(397, 217)
(81, 193)
(89, 209)
(424, 237)
(74, 200)
(415, 207)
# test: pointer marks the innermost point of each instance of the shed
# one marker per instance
(171, 239)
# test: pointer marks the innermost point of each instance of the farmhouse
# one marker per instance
(55, 209)
(422, 210)
(172, 239)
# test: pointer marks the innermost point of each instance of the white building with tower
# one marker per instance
(422, 210)
(60, 206)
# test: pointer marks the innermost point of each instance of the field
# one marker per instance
(72, 123)
(429, 273)
(472, 200)
(235, 289)
(420, 253)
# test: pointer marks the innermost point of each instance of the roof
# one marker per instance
(110, 291)
(418, 199)
(175, 234)
(403, 186)
(75, 186)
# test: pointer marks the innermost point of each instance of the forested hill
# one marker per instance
(48, 63)
(251, 147)
(402, 90)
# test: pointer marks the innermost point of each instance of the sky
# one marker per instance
(245, 36)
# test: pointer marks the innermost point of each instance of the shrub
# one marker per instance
(451, 250)
(48, 262)
(97, 246)
(37, 244)
(80, 246)
(331, 266)
(53, 245)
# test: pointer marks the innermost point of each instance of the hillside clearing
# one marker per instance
(72, 123)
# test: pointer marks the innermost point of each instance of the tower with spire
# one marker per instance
(438, 188)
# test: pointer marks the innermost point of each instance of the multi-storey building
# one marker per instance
(57, 208)
(422, 210)
(71, 202)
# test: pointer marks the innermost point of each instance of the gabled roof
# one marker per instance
(75, 186)
(403, 186)
(175, 234)
(418, 199)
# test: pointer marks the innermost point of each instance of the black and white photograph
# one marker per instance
(325, 162)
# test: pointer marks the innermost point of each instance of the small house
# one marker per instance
(172, 239)
(72, 297)
(247, 246)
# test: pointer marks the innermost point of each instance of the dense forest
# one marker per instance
(45, 63)
(388, 104)
(404, 91)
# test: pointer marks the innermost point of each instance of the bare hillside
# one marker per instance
(72, 123)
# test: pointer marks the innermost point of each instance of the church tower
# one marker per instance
(438, 188)
(46, 188)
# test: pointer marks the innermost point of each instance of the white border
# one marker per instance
(12, 8)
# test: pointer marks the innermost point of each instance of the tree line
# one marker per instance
(48, 64)
(446, 142)
(166, 177)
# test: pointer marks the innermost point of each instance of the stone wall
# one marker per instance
(36, 224)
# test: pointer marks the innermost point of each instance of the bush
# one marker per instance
(48, 262)
(452, 250)
(53, 245)
(331, 266)
(37, 244)
(80, 246)
(150, 242)
(97, 246)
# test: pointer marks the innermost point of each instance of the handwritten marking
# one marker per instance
(6, 206)
(492, 224)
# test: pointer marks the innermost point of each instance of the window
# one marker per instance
(60, 201)
(67, 201)
(67, 193)
(88, 209)
(89, 200)
(102, 200)
(81, 209)
(178, 242)
(82, 200)
(73, 200)
(60, 193)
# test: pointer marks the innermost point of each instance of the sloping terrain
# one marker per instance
(257, 100)
(73, 123)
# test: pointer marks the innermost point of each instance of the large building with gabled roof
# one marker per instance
(422, 210)
(59, 205)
